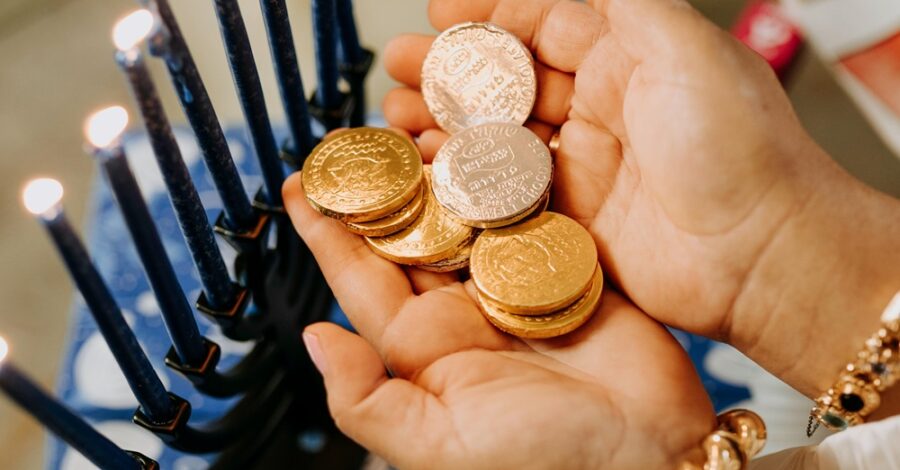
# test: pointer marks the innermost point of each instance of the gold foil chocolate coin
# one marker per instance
(363, 174)
(394, 222)
(433, 237)
(492, 175)
(536, 267)
(546, 326)
(459, 261)
(476, 73)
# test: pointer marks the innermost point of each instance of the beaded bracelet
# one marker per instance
(857, 392)
(741, 434)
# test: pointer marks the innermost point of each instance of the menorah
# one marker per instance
(277, 288)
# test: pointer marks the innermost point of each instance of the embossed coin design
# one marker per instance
(546, 326)
(394, 222)
(536, 267)
(476, 73)
(492, 175)
(433, 237)
(361, 175)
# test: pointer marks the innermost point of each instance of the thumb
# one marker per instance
(657, 27)
(378, 412)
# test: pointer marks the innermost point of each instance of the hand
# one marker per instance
(711, 207)
(618, 393)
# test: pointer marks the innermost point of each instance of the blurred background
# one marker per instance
(57, 66)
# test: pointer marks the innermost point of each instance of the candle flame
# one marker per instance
(4, 349)
(131, 30)
(42, 194)
(105, 126)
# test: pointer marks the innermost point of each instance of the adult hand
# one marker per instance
(618, 393)
(711, 207)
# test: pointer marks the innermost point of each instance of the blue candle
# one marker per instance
(167, 43)
(350, 47)
(284, 55)
(220, 291)
(59, 419)
(42, 198)
(250, 92)
(104, 129)
(323, 12)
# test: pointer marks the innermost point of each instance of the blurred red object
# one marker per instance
(763, 27)
(878, 68)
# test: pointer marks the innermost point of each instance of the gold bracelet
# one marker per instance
(741, 434)
(857, 392)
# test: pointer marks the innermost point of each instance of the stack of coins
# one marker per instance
(537, 279)
(482, 204)
(369, 179)
(434, 242)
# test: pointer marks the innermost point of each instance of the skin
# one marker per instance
(712, 209)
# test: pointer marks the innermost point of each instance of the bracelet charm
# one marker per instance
(741, 434)
(857, 392)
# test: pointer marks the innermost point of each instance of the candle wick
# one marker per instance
(51, 213)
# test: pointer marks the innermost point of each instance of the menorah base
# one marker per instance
(292, 446)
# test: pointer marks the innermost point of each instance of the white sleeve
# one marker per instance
(869, 446)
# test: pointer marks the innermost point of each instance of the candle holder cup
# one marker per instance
(145, 462)
(332, 118)
(280, 413)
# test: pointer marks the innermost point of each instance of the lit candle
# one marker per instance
(350, 47)
(284, 55)
(250, 92)
(59, 419)
(128, 34)
(167, 42)
(42, 198)
(323, 12)
(103, 131)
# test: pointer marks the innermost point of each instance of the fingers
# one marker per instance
(404, 56)
(444, 14)
(554, 95)
(378, 412)
(668, 28)
(370, 289)
(560, 32)
(587, 163)
(430, 142)
(402, 132)
(405, 108)
(542, 129)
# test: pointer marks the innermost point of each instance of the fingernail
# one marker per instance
(315, 351)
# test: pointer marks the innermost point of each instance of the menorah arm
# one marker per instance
(260, 363)
(249, 416)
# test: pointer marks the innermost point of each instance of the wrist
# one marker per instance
(818, 289)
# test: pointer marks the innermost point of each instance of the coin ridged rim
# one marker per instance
(393, 223)
(457, 123)
(546, 326)
(397, 195)
(392, 248)
(449, 195)
(535, 210)
(531, 300)
(460, 260)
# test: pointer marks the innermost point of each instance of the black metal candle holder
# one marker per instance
(279, 394)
